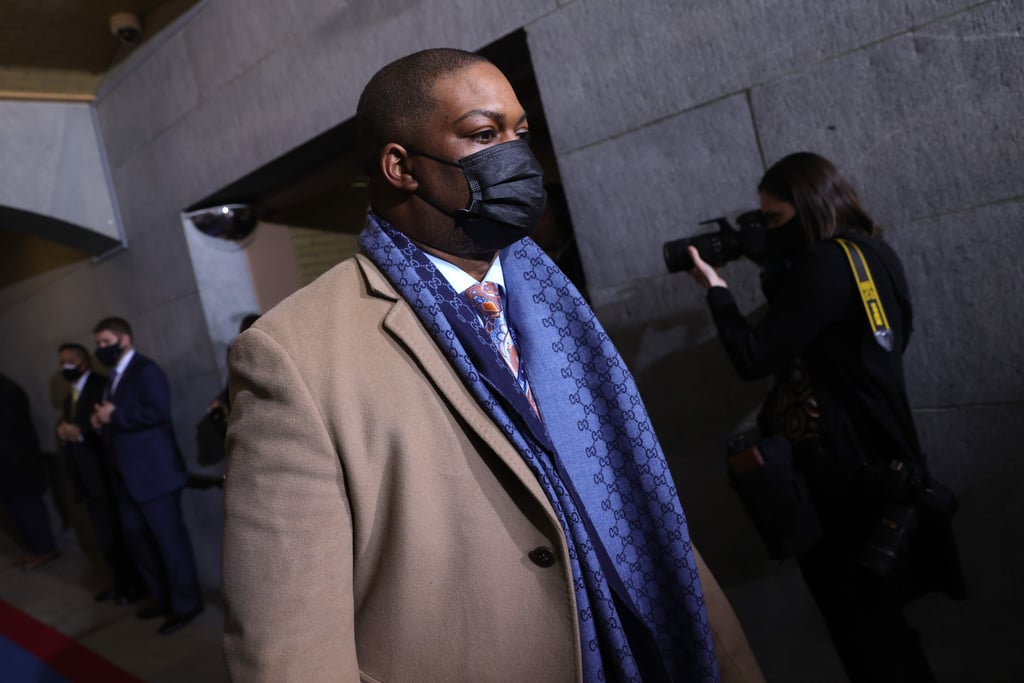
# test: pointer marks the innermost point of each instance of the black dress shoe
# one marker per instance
(151, 612)
(178, 622)
(109, 595)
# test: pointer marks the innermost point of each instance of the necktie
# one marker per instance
(486, 299)
(74, 399)
(108, 393)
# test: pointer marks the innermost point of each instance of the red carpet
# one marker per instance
(59, 653)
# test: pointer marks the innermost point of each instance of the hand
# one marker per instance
(68, 432)
(103, 412)
(706, 276)
(94, 420)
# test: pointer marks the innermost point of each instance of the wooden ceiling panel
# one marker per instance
(60, 49)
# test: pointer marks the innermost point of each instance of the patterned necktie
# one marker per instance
(74, 399)
(486, 299)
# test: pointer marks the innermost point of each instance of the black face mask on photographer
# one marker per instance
(506, 194)
(787, 240)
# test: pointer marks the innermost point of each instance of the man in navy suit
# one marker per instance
(135, 418)
(93, 473)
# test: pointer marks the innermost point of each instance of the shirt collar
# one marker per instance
(80, 382)
(460, 280)
(123, 361)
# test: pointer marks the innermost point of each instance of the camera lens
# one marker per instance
(676, 256)
(886, 545)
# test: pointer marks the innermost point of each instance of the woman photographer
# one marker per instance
(840, 399)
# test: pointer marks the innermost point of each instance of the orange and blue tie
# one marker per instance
(486, 300)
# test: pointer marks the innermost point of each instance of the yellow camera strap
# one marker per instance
(868, 294)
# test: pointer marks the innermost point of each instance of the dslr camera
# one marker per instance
(907, 496)
(718, 248)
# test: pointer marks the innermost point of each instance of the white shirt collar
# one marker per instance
(80, 382)
(460, 280)
(123, 361)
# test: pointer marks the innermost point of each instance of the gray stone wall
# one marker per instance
(662, 114)
(55, 167)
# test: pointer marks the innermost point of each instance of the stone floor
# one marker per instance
(976, 640)
(60, 594)
(972, 641)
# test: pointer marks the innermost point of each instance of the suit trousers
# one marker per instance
(158, 541)
(31, 520)
(110, 540)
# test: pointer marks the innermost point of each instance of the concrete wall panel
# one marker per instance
(605, 66)
(81, 193)
(226, 289)
(235, 34)
(31, 144)
(157, 266)
(924, 123)
(964, 269)
(142, 193)
(632, 193)
(148, 99)
(55, 168)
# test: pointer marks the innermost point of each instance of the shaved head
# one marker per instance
(398, 100)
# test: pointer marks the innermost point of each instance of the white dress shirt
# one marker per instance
(122, 363)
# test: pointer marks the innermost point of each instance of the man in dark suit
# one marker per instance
(21, 477)
(92, 472)
(135, 419)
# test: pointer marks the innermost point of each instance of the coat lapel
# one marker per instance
(128, 370)
(401, 321)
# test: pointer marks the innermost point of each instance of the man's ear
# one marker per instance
(394, 165)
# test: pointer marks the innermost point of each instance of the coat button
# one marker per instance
(542, 556)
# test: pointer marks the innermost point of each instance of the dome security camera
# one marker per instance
(126, 27)
(233, 222)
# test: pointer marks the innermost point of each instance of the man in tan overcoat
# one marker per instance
(439, 467)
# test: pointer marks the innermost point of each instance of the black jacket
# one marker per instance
(815, 312)
(91, 469)
(21, 465)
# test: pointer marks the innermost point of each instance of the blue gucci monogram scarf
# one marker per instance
(641, 609)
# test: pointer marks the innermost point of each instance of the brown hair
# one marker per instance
(118, 326)
(825, 201)
(398, 99)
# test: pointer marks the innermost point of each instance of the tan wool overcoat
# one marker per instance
(378, 525)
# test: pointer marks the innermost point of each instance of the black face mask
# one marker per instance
(506, 194)
(788, 239)
(108, 355)
(72, 373)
